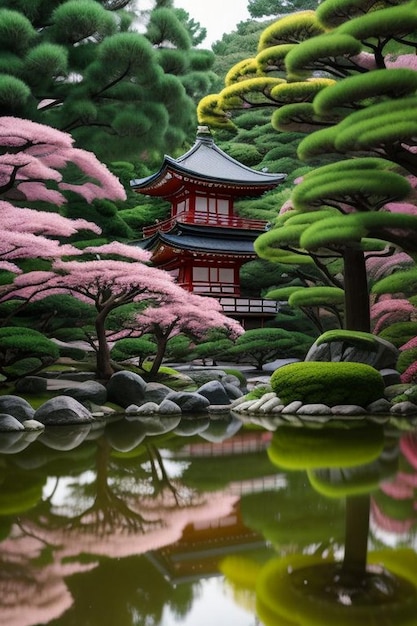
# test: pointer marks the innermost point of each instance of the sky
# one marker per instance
(217, 16)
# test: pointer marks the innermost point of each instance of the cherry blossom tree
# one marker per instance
(31, 159)
(118, 275)
(32, 154)
(187, 313)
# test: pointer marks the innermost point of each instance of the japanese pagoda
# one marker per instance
(204, 243)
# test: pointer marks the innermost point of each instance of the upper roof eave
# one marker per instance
(206, 162)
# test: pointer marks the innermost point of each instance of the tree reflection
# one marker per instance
(305, 588)
(109, 504)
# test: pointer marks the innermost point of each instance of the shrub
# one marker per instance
(329, 383)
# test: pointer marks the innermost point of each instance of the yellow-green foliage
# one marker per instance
(303, 448)
(327, 382)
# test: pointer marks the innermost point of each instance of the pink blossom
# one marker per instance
(412, 343)
(387, 311)
(41, 222)
(44, 151)
(410, 374)
(402, 60)
(380, 266)
(126, 251)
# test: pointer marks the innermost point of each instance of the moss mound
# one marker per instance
(327, 382)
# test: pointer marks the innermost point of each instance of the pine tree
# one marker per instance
(82, 66)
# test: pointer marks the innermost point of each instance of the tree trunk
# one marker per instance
(357, 308)
(104, 369)
(161, 342)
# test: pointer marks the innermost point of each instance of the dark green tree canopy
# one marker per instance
(116, 78)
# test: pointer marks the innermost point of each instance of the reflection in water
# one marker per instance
(307, 589)
(123, 525)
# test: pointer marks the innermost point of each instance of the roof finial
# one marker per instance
(204, 135)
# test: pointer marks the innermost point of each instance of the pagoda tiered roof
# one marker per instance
(207, 167)
(186, 239)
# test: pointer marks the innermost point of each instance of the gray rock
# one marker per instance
(404, 408)
(189, 402)
(33, 425)
(31, 384)
(63, 410)
(148, 408)
(314, 409)
(292, 407)
(348, 409)
(87, 392)
(126, 388)
(390, 376)
(385, 356)
(382, 405)
(168, 407)
(156, 392)
(232, 380)
(395, 390)
(18, 407)
(205, 375)
(9, 424)
(233, 391)
(132, 408)
(215, 392)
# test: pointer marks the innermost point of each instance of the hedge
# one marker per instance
(330, 383)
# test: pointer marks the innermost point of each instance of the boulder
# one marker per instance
(126, 388)
(18, 407)
(379, 406)
(390, 376)
(205, 375)
(404, 408)
(189, 402)
(156, 392)
(89, 391)
(168, 407)
(349, 409)
(63, 410)
(317, 408)
(9, 424)
(233, 391)
(215, 392)
(385, 355)
(148, 408)
(232, 380)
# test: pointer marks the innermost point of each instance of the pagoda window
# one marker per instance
(211, 206)
(181, 207)
(214, 280)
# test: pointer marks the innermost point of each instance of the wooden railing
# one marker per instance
(205, 219)
(239, 305)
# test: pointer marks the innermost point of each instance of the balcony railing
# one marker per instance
(205, 219)
(238, 305)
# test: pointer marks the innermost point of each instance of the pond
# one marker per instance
(199, 521)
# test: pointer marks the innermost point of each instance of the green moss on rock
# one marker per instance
(330, 383)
